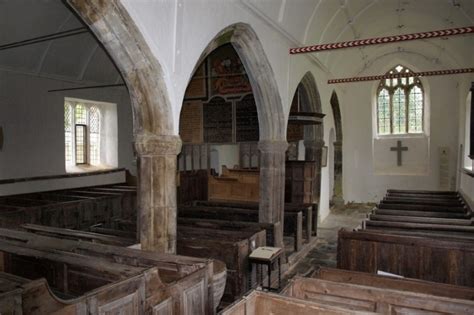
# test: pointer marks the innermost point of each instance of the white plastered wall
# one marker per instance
(465, 182)
(33, 124)
(361, 183)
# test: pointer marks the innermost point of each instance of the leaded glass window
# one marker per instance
(68, 113)
(82, 133)
(400, 103)
(94, 134)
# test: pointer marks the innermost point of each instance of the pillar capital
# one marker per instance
(148, 144)
(270, 146)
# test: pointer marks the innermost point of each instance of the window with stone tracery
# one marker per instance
(400, 103)
(81, 133)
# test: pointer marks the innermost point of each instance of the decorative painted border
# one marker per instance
(383, 40)
(401, 75)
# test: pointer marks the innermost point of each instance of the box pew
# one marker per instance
(103, 279)
(231, 247)
(107, 205)
(387, 282)
(309, 211)
(368, 298)
(78, 235)
(10, 294)
(128, 201)
(439, 260)
(293, 222)
(271, 229)
(258, 302)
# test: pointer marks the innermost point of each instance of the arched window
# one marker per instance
(400, 103)
(81, 133)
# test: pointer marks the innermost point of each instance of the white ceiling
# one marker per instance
(327, 21)
(75, 58)
(306, 22)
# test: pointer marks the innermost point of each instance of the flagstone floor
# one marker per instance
(324, 253)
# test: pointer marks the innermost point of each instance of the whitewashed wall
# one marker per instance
(33, 124)
(465, 182)
(361, 183)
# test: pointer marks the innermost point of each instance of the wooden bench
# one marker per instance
(438, 260)
(368, 298)
(309, 211)
(258, 302)
(400, 284)
(293, 222)
(104, 279)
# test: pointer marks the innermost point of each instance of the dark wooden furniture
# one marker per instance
(269, 263)
(300, 177)
(74, 277)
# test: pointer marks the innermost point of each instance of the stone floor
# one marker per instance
(324, 253)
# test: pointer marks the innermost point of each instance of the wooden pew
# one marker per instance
(104, 279)
(423, 202)
(258, 302)
(10, 294)
(128, 201)
(423, 192)
(368, 298)
(416, 219)
(432, 214)
(78, 235)
(409, 206)
(293, 222)
(392, 283)
(309, 210)
(438, 260)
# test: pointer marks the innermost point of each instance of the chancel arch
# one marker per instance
(337, 197)
(240, 85)
(156, 145)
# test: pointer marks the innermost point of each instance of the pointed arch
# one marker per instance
(155, 143)
(143, 75)
(265, 89)
(337, 198)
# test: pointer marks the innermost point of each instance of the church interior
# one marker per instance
(236, 157)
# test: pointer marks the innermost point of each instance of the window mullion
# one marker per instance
(407, 113)
(390, 98)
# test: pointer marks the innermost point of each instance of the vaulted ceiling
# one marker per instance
(304, 22)
(75, 58)
(311, 22)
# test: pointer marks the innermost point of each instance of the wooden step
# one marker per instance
(393, 218)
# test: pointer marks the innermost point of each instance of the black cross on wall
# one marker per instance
(399, 150)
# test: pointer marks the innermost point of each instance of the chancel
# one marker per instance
(152, 153)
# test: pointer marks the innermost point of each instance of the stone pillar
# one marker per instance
(156, 156)
(272, 184)
(337, 198)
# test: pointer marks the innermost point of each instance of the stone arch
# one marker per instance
(155, 143)
(313, 134)
(265, 89)
(271, 117)
(337, 197)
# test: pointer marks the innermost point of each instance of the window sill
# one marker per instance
(85, 168)
(402, 136)
(468, 171)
